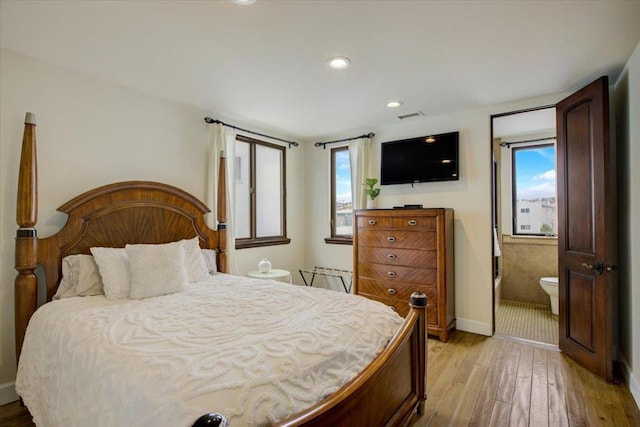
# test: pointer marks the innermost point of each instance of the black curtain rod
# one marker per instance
(509, 144)
(215, 121)
(324, 144)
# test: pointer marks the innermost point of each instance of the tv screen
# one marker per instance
(423, 159)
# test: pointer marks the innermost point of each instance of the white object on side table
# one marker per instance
(274, 274)
(264, 266)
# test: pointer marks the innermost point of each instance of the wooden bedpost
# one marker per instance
(418, 303)
(222, 214)
(26, 284)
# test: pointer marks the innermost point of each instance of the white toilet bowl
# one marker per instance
(550, 286)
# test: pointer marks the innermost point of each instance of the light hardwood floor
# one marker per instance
(480, 381)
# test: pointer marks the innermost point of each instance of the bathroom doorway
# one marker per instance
(525, 225)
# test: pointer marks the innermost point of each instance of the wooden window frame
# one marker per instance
(336, 238)
(253, 241)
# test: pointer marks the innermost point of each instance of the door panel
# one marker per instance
(581, 290)
(586, 228)
(579, 148)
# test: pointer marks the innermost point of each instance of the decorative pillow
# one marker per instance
(209, 256)
(80, 277)
(156, 269)
(113, 264)
(194, 261)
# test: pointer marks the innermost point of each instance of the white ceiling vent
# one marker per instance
(410, 115)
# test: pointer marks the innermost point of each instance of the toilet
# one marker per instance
(550, 286)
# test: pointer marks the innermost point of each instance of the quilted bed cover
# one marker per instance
(254, 350)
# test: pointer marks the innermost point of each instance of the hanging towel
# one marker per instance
(496, 246)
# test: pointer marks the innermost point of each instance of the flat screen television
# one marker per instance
(422, 159)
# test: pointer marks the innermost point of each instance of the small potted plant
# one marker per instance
(371, 192)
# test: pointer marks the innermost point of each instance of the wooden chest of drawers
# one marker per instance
(401, 251)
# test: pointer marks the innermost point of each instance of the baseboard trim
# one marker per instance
(8, 393)
(630, 379)
(474, 326)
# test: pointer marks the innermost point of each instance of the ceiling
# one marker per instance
(264, 65)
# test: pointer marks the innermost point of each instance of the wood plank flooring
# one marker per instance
(481, 381)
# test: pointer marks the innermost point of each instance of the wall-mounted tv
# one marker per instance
(422, 159)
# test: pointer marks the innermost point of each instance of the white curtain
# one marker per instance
(359, 160)
(222, 140)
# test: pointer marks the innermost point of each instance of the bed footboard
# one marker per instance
(388, 391)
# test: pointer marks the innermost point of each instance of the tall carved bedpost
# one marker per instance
(26, 284)
(222, 214)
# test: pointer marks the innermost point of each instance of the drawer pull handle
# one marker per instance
(391, 239)
(392, 256)
(413, 222)
(372, 222)
(391, 274)
(392, 308)
(391, 291)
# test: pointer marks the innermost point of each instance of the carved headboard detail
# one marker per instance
(109, 216)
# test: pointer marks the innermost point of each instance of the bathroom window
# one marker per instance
(534, 190)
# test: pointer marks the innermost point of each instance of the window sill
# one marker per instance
(531, 239)
(262, 242)
(339, 240)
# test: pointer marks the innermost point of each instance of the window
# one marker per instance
(260, 205)
(341, 199)
(534, 190)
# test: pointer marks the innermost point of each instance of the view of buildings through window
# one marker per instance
(534, 180)
(343, 201)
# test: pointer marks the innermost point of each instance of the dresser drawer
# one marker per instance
(397, 239)
(373, 222)
(393, 290)
(395, 256)
(415, 222)
(396, 273)
(402, 307)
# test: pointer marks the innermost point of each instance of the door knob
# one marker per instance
(598, 267)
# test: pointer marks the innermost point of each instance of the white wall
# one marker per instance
(90, 133)
(470, 197)
(626, 102)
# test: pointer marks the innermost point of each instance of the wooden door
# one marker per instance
(586, 228)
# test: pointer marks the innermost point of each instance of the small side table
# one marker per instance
(274, 274)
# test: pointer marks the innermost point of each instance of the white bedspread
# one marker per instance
(253, 350)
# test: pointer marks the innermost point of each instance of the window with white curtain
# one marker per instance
(260, 214)
(341, 197)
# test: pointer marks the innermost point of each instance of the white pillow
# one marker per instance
(113, 264)
(209, 256)
(80, 277)
(194, 261)
(156, 269)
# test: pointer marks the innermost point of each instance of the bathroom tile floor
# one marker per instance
(533, 322)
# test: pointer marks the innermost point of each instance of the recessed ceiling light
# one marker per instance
(394, 104)
(430, 139)
(446, 161)
(244, 2)
(339, 62)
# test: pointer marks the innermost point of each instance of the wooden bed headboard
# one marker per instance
(108, 216)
